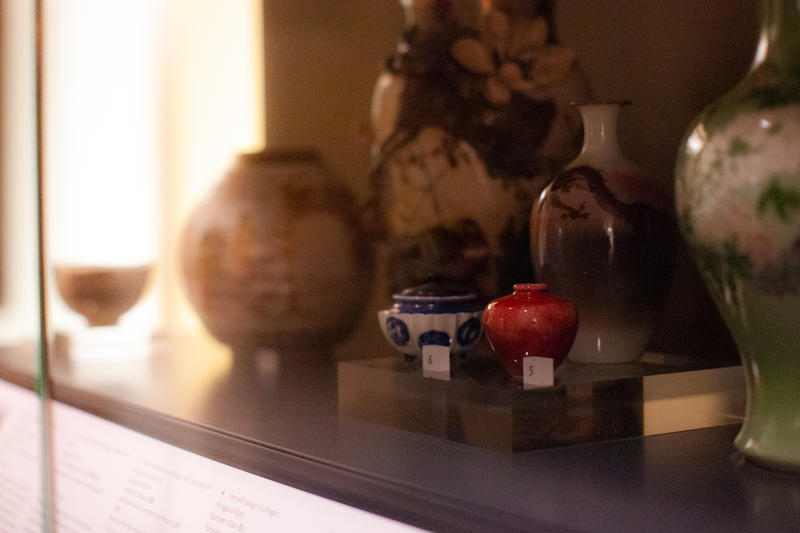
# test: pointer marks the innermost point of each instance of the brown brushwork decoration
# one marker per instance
(636, 214)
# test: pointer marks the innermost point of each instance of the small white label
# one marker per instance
(537, 372)
(436, 361)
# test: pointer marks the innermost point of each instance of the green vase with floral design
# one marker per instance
(738, 203)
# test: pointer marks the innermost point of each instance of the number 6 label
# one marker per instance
(436, 362)
(537, 372)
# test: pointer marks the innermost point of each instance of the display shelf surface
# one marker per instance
(281, 420)
(482, 406)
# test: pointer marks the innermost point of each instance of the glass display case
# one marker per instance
(225, 193)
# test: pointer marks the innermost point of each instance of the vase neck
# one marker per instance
(779, 36)
(529, 290)
(600, 129)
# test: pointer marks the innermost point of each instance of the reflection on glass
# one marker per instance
(142, 109)
(101, 294)
(102, 151)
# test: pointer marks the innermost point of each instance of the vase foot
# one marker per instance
(771, 463)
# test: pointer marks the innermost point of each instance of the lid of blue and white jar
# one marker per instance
(434, 291)
(435, 298)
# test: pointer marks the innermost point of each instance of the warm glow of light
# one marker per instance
(103, 81)
(146, 104)
(214, 109)
(103, 119)
(19, 311)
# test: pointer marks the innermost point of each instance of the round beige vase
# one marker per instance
(275, 256)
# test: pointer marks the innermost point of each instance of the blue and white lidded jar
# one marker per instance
(432, 314)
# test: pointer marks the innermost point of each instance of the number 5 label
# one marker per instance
(537, 372)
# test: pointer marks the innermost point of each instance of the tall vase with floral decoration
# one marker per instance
(738, 203)
(471, 119)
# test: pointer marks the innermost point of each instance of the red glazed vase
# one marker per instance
(530, 322)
